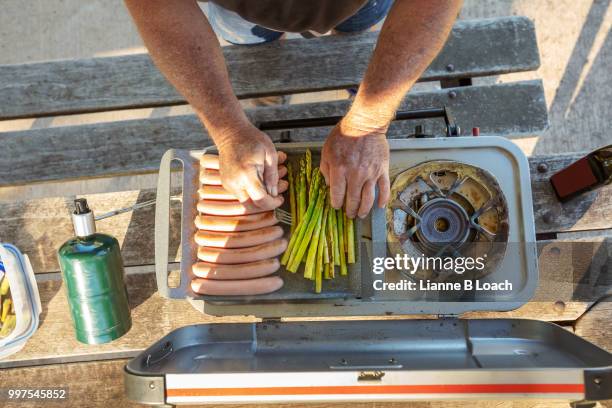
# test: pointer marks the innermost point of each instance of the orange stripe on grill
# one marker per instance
(382, 389)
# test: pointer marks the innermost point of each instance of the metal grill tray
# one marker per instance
(392, 353)
(385, 345)
(355, 295)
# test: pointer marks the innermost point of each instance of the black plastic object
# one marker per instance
(451, 126)
(81, 206)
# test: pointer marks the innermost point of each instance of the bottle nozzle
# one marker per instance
(80, 206)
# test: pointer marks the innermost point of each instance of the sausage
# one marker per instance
(211, 161)
(242, 255)
(217, 192)
(213, 178)
(258, 286)
(249, 270)
(221, 207)
(238, 239)
(236, 223)
(210, 177)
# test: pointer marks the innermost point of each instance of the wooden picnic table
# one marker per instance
(574, 244)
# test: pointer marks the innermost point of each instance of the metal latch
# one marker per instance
(159, 355)
(371, 375)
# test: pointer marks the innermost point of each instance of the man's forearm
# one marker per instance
(413, 34)
(184, 47)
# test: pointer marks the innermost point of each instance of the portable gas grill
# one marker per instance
(455, 196)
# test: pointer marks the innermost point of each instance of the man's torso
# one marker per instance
(294, 15)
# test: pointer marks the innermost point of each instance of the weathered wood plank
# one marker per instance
(574, 274)
(137, 146)
(596, 324)
(588, 211)
(571, 280)
(40, 226)
(475, 48)
(100, 384)
(152, 318)
(93, 384)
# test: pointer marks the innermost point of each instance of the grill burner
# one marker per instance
(446, 208)
(442, 221)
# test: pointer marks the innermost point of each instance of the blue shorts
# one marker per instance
(236, 30)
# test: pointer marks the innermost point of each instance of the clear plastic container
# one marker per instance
(25, 298)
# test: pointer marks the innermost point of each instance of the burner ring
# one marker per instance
(443, 223)
(444, 208)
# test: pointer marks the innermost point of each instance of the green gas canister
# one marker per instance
(94, 280)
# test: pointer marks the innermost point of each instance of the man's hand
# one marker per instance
(356, 155)
(354, 160)
(248, 166)
(185, 48)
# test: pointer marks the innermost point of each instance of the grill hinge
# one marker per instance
(448, 316)
(271, 320)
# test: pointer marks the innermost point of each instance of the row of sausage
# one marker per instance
(238, 242)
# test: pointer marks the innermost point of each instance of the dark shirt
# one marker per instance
(294, 16)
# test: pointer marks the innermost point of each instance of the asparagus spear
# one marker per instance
(340, 219)
(329, 243)
(313, 187)
(312, 191)
(332, 267)
(319, 275)
(292, 197)
(344, 222)
(308, 161)
(299, 231)
(325, 236)
(350, 241)
(301, 204)
(315, 178)
(321, 252)
(334, 237)
(308, 227)
(313, 248)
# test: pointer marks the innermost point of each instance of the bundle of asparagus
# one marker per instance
(321, 236)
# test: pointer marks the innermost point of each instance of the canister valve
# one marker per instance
(83, 219)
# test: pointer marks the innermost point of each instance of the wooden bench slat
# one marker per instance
(40, 226)
(588, 211)
(596, 324)
(136, 146)
(152, 317)
(90, 384)
(475, 48)
(564, 293)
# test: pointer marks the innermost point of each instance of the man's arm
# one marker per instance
(184, 47)
(356, 154)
